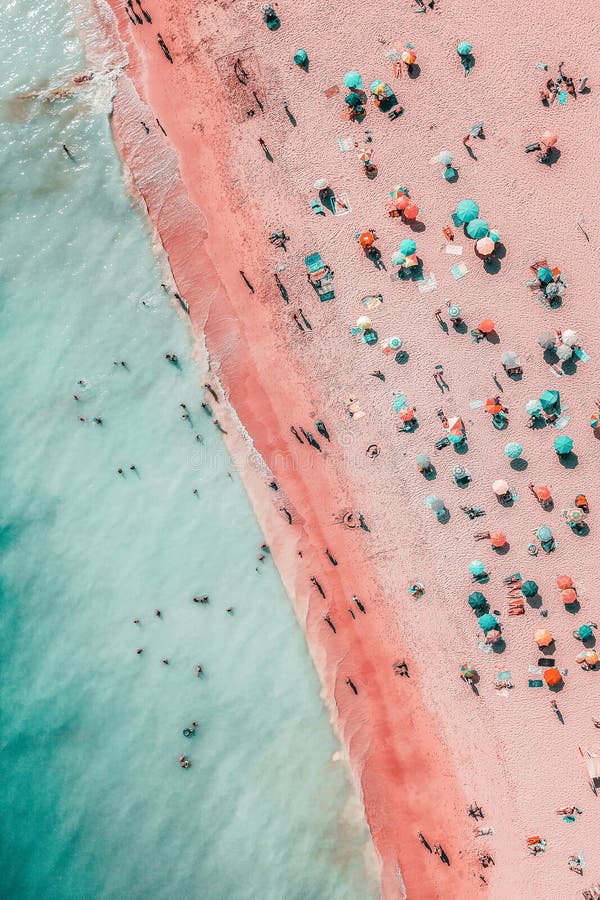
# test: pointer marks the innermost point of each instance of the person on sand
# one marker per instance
(296, 435)
(424, 841)
(327, 619)
(359, 604)
(317, 585)
(351, 685)
(287, 514)
(330, 557)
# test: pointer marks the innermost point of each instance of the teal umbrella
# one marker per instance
(398, 259)
(487, 622)
(513, 450)
(545, 275)
(467, 210)
(544, 534)
(300, 57)
(550, 401)
(529, 588)
(477, 600)
(408, 246)
(449, 173)
(476, 567)
(584, 632)
(376, 85)
(353, 100)
(353, 80)
(495, 236)
(563, 444)
(464, 48)
(533, 407)
(477, 228)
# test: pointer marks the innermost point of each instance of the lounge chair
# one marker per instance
(320, 276)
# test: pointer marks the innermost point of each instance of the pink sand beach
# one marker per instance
(422, 748)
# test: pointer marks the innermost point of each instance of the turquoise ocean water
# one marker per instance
(93, 801)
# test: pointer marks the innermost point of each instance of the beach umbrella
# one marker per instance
(552, 290)
(364, 322)
(408, 246)
(547, 340)
(529, 588)
(544, 534)
(509, 359)
(487, 622)
(424, 460)
(458, 471)
(398, 191)
(449, 173)
(492, 406)
(574, 515)
(569, 595)
(353, 80)
(564, 352)
(542, 492)
(533, 407)
(411, 211)
(487, 326)
(411, 261)
(444, 157)
(545, 275)
(591, 657)
(300, 57)
(563, 444)
(468, 671)
(477, 601)
(353, 100)
(378, 86)
(464, 48)
(476, 567)
(402, 202)
(543, 637)
(454, 311)
(549, 138)
(585, 632)
(407, 414)
(394, 343)
(495, 236)
(549, 400)
(513, 450)
(398, 259)
(456, 426)
(434, 503)
(477, 228)
(467, 210)
(366, 239)
(485, 246)
(365, 156)
(500, 488)
(552, 677)
(409, 57)
(321, 184)
(595, 420)
(569, 337)
(498, 539)
(563, 582)
(493, 636)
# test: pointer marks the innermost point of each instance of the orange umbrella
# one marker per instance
(549, 138)
(456, 427)
(407, 414)
(552, 677)
(492, 406)
(563, 582)
(498, 539)
(366, 239)
(543, 637)
(568, 595)
(402, 202)
(409, 57)
(411, 211)
(487, 326)
(542, 492)
(412, 260)
(591, 657)
(365, 155)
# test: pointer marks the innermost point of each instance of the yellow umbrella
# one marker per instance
(543, 637)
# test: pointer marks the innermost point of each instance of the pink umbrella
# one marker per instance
(548, 138)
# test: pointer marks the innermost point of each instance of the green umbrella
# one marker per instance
(301, 57)
(353, 80)
(408, 246)
(487, 622)
(476, 567)
(544, 534)
(477, 228)
(513, 450)
(477, 600)
(495, 236)
(464, 48)
(550, 401)
(545, 275)
(529, 588)
(467, 210)
(584, 632)
(563, 444)
(353, 100)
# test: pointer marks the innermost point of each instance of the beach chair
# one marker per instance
(319, 276)
(592, 762)
(317, 207)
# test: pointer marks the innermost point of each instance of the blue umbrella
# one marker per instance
(550, 401)
(563, 444)
(476, 567)
(529, 588)
(353, 100)
(353, 80)
(464, 48)
(495, 236)
(544, 534)
(477, 228)
(477, 600)
(513, 450)
(487, 622)
(584, 632)
(449, 173)
(300, 57)
(545, 275)
(467, 210)
(408, 246)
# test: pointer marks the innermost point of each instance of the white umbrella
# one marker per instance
(547, 340)
(509, 359)
(435, 503)
(321, 185)
(563, 352)
(444, 157)
(569, 337)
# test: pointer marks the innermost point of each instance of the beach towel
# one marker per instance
(536, 683)
(428, 284)
(345, 144)
(458, 270)
(453, 249)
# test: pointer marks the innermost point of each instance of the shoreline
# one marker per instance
(391, 796)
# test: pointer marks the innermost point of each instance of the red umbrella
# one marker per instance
(498, 539)
(487, 326)
(402, 202)
(568, 595)
(366, 239)
(564, 582)
(411, 211)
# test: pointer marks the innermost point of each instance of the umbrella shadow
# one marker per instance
(462, 328)
(550, 357)
(573, 607)
(417, 226)
(549, 650)
(372, 172)
(492, 337)
(569, 366)
(430, 474)
(414, 70)
(499, 646)
(569, 460)
(519, 465)
(535, 602)
(388, 103)
(581, 530)
(401, 357)
(503, 550)
(491, 265)
(443, 516)
(461, 448)
(551, 157)
(556, 689)
(507, 504)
